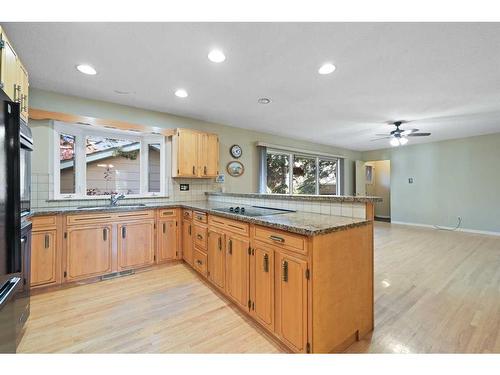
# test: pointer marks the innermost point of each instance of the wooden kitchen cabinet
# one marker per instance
(88, 251)
(44, 258)
(195, 154)
(187, 241)
(291, 300)
(8, 68)
(167, 244)
(135, 244)
(237, 269)
(262, 285)
(216, 257)
(23, 90)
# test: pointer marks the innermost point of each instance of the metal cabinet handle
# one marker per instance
(189, 229)
(47, 241)
(124, 232)
(25, 101)
(205, 170)
(220, 243)
(266, 263)
(163, 227)
(105, 234)
(194, 169)
(230, 247)
(277, 239)
(284, 267)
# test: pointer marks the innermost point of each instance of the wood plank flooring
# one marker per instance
(435, 291)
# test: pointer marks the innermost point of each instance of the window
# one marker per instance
(97, 162)
(309, 174)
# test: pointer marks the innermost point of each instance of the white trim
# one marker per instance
(465, 230)
(80, 132)
(297, 150)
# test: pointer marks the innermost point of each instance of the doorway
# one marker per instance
(374, 178)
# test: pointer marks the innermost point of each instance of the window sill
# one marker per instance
(105, 198)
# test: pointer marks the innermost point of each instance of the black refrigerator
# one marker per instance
(15, 230)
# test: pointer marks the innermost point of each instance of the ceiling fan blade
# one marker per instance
(378, 139)
(409, 131)
(383, 135)
(418, 134)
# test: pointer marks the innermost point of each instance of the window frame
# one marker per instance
(80, 132)
(318, 157)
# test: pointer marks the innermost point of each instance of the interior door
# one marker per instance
(43, 258)
(187, 241)
(135, 244)
(237, 269)
(167, 240)
(360, 178)
(292, 300)
(263, 279)
(216, 258)
(88, 251)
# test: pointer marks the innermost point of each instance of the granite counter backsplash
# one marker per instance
(301, 197)
(305, 223)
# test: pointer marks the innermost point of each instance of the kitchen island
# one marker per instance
(306, 278)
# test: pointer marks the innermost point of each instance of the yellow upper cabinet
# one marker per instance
(195, 154)
(13, 75)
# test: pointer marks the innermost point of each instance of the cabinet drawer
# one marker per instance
(230, 225)
(286, 240)
(200, 217)
(200, 236)
(170, 212)
(187, 214)
(133, 215)
(89, 219)
(200, 262)
(43, 222)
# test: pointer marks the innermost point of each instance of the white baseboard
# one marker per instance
(458, 230)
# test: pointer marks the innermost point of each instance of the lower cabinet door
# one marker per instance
(187, 241)
(167, 241)
(135, 244)
(263, 279)
(43, 258)
(216, 258)
(88, 251)
(237, 270)
(291, 300)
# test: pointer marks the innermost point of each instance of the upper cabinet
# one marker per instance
(13, 75)
(195, 154)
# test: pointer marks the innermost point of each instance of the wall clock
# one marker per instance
(235, 151)
(235, 168)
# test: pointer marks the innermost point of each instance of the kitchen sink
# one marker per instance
(117, 206)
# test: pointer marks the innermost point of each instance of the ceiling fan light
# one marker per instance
(403, 141)
(394, 142)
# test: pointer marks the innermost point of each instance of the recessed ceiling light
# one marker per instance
(86, 69)
(181, 93)
(264, 101)
(216, 56)
(326, 68)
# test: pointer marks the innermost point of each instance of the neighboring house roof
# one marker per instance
(103, 154)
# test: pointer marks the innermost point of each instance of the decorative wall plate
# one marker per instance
(235, 168)
(235, 151)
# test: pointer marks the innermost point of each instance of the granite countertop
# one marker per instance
(301, 197)
(305, 223)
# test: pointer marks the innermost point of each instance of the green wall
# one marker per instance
(228, 135)
(451, 178)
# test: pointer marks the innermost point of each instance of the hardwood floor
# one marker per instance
(435, 291)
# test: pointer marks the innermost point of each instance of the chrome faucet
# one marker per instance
(115, 198)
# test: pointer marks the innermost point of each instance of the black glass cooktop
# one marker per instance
(253, 210)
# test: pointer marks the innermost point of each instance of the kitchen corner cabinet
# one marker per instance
(135, 244)
(262, 285)
(167, 245)
(13, 75)
(237, 269)
(187, 238)
(195, 154)
(88, 251)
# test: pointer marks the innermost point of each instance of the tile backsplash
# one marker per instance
(42, 193)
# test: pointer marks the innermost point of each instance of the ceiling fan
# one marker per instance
(399, 137)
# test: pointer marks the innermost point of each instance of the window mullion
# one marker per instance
(290, 175)
(317, 175)
(80, 166)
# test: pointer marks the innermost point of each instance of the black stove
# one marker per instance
(252, 210)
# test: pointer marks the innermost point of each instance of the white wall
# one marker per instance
(451, 178)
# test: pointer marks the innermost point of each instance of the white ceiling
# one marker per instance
(444, 76)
